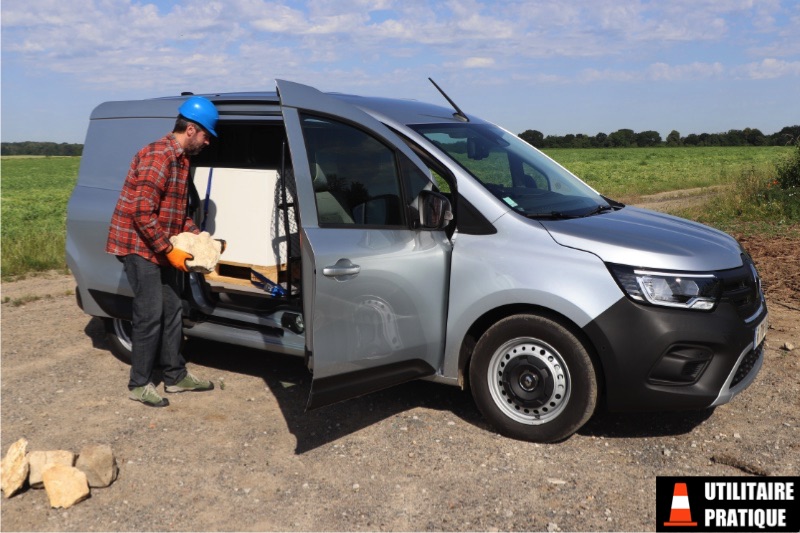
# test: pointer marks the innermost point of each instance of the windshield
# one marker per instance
(522, 177)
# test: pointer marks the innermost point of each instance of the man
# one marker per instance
(152, 207)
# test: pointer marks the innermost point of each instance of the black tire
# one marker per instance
(532, 379)
(118, 334)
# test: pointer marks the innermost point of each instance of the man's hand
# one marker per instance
(222, 245)
(177, 258)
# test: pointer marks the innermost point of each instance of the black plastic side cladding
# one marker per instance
(329, 390)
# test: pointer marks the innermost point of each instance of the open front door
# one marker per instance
(375, 290)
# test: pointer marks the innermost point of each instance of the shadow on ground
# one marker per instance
(642, 425)
(290, 382)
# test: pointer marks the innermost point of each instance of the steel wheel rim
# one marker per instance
(123, 330)
(529, 381)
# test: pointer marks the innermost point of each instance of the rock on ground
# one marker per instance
(15, 468)
(65, 485)
(98, 463)
(40, 460)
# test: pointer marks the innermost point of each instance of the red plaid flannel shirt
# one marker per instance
(152, 206)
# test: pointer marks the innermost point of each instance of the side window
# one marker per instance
(414, 179)
(355, 176)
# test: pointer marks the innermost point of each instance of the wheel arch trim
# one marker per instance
(493, 316)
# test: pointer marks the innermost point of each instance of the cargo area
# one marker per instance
(244, 193)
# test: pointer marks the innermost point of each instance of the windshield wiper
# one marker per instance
(559, 215)
(553, 215)
(597, 210)
(613, 203)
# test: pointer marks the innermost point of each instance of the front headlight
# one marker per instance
(686, 290)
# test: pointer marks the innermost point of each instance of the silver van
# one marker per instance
(385, 240)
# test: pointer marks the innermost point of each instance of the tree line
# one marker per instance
(626, 138)
(40, 148)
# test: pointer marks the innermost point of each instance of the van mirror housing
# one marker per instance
(435, 211)
(477, 149)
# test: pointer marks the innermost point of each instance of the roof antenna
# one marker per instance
(458, 114)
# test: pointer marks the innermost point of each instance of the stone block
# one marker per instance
(14, 468)
(98, 463)
(65, 485)
(39, 460)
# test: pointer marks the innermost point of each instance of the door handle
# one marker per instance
(343, 267)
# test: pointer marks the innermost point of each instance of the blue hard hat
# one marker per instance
(202, 111)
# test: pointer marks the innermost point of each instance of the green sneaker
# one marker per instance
(189, 383)
(148, 396)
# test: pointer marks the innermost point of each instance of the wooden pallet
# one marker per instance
(232, 276)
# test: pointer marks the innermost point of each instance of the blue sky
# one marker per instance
(577, 66)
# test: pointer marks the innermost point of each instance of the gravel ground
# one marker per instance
(415, 457)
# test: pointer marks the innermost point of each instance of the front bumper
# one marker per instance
(661, 359)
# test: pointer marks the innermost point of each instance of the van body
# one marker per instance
(385, 240)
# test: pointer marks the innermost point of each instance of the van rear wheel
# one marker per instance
(532, 379)
(118, 334)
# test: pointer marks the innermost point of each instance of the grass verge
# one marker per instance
(763, 200)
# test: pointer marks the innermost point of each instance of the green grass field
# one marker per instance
(630, 172)
(35, 191)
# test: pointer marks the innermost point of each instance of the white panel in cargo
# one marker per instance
(241, 210)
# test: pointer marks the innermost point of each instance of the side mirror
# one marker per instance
(434, 209)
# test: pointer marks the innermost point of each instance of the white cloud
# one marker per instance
(135, 43)
(655, 72)
(692, 71)
(478, 62)
(275, 18)
(769, 68)
(590, 75)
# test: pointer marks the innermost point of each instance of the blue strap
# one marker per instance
(208, 196)
(265, 284)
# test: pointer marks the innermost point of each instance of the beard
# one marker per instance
(194, 149)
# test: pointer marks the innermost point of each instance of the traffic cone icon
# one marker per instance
(680, 514)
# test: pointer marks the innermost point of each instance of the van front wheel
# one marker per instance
(532, 379)
(118, 334)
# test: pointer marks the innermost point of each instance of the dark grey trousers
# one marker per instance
(157, 322)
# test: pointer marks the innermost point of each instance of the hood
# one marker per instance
(644, 238)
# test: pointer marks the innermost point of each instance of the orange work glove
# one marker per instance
(177, 258)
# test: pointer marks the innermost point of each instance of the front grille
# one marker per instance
(747, 364)
(741, 287)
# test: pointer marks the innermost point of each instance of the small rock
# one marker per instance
(788, 346)
(98, 463)
(40, 460)
(556, 481)
(552, 526)
(14, 468)
(65, 485)
(667, 452)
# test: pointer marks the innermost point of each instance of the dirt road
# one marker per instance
(416, 457)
